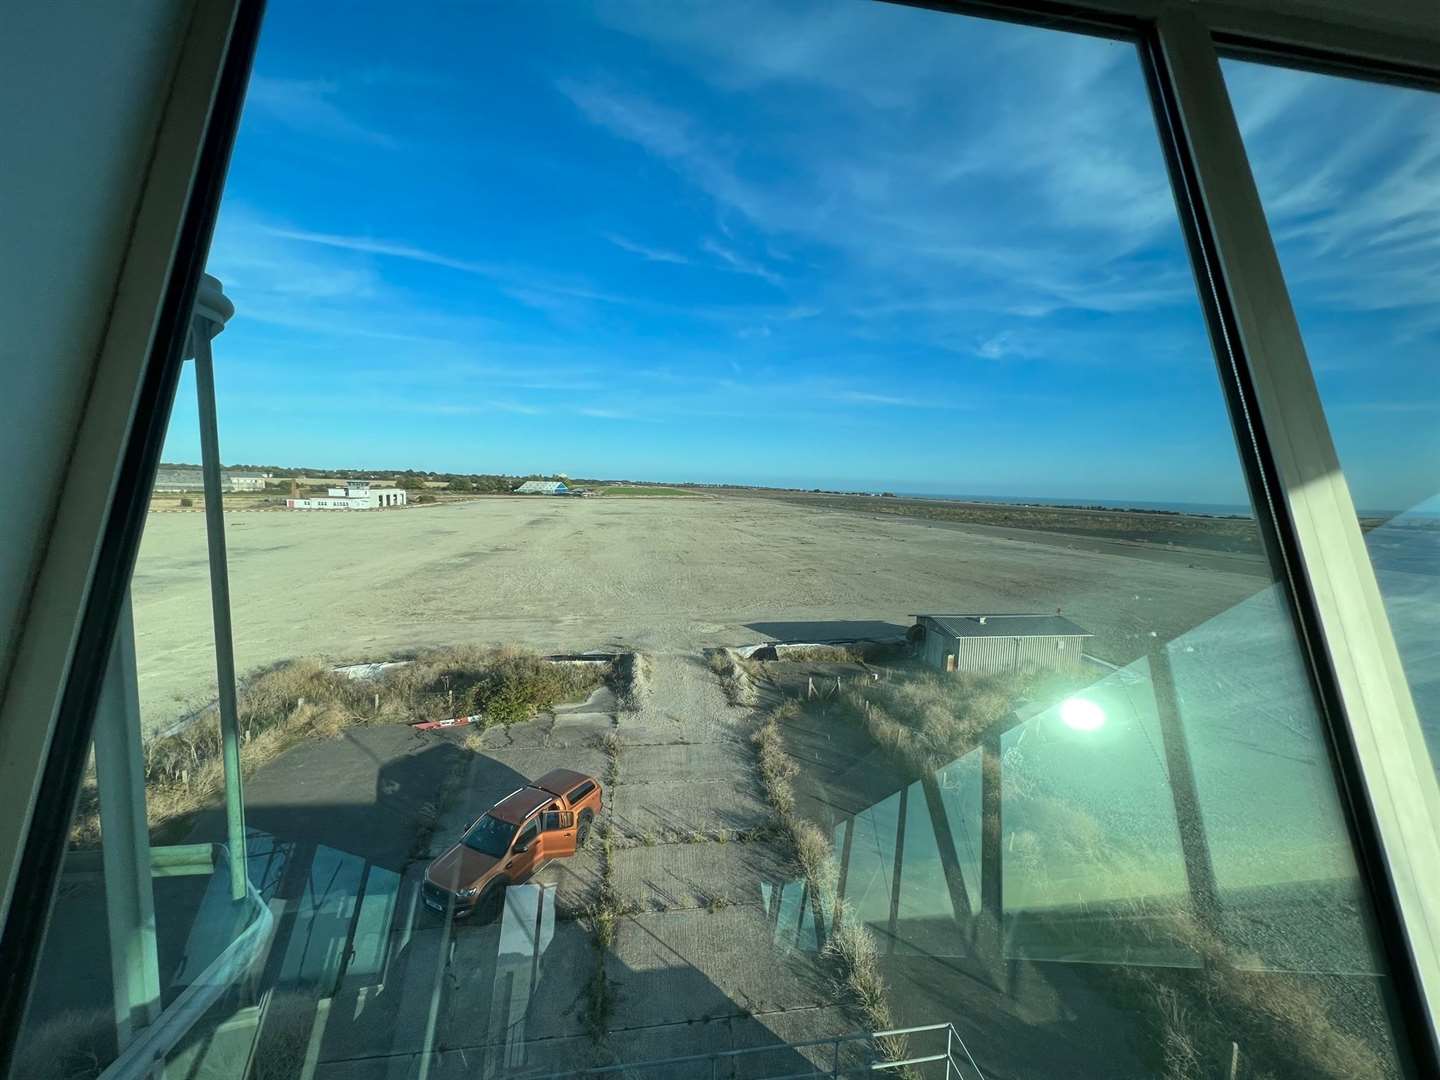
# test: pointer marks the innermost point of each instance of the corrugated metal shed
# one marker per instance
(541, 487)
(991, 644)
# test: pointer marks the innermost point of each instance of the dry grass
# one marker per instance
(925, 721)
(852, 946)
(1284, 1022)
(285, 1037)
(301, 700)
(849, 943)
(858, 652)
(71, 1045)
(602, 917)
(816, 856)
(630, 677)
(737, 677)
(611, 746)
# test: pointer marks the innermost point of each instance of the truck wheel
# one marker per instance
(583, 832)
(492, 902)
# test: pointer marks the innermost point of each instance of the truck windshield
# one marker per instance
(490, 836)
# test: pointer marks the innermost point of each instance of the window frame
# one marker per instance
(1392, 807)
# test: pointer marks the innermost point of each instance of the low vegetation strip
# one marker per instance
(849, 943)
(300, 700)
(606, 909)
(639, 491)
(737, 677)
(1213, 533)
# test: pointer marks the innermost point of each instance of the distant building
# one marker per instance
(542, 487)
(169, 481)
(991, 644)
(354, 495)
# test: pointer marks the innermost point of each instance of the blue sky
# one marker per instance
(822, 244)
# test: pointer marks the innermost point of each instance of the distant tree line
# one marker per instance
(406, 479)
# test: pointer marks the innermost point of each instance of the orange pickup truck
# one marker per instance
(547, 820)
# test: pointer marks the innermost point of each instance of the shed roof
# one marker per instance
(544, 487)
(961, 626)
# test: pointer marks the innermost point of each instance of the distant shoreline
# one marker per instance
(1230, 534)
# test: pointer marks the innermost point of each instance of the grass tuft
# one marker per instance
(737, 677)
(631, 680)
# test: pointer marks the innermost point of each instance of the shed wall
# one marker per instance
(995, 655)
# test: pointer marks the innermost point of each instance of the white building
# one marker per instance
(355, 495)
(170, 480)
(244, 481)
(542, 487)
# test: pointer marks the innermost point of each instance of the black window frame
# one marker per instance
(44, 843)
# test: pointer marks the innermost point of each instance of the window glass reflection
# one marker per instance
(1356, 223)
(780, 438)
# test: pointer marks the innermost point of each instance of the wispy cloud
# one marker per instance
(670, 135)
(1005, 344)
(865, 397)
(734, 261)
(312, 107)
(650, 254)
(374, 246)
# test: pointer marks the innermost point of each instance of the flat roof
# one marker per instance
(986, 625)
(517, 807)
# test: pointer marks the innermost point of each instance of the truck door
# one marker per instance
(525, 852)
(559, 831)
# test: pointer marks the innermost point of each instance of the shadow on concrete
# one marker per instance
(830, 630)
(359, 979)
(363, 793)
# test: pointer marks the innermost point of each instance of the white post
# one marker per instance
(125, 839)
(209, 320)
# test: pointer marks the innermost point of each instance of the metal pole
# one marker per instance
(1189, 820)
(220, 605)
(990, 937)
(125, 847)
(898, 870)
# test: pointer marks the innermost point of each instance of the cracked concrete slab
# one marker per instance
(725, 760)
(692, 876)
(677, 809)
(702, 965)
(576, 879)
(532, 762)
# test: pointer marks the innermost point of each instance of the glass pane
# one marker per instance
(1356, 222)
(903, 601)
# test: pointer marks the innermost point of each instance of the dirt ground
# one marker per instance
(659, 575)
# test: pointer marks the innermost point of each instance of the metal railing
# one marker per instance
(956, 1058)
(154, 1043)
